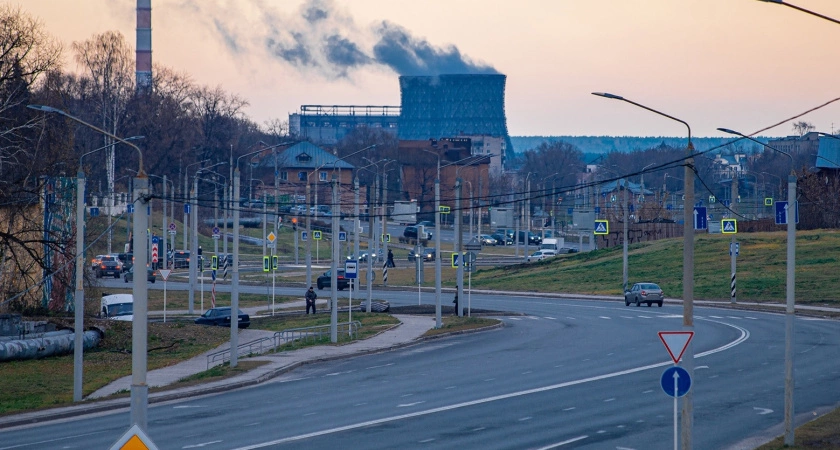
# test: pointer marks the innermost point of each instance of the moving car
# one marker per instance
(428, 255)
(129, 276)
(649, 293)
(411, 232)
(425, 223)
(325, 280)
(502, 239)
(180, 259)
(486, 239)
(541, 254)
(221, 317)
(363, 256)
(109, 265)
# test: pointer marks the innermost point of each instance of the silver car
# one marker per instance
(649, 293)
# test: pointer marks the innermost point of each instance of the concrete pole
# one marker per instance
(732, 256)
(790, 309)
(234, 283)
(356, 221)
(517, 208)
(385, 218)
(459, 245)
(687, 417)
(186, 202)
(79, 300)
(370, 252)
(216, 221)
(527, 230)
(334, 264)
(164, 228)
(438, 320)
(308, 237)
(193, 248)
(624, 258)
(139, 332)
(265, 224)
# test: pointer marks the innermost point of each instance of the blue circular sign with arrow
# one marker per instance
(675, 381)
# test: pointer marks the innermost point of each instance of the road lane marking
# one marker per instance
(716, 317)
(405, 405)
(426, 441)
(560, 444)
(762, 411)
(527, 372)
(37, 444)
(406, 395)
(203, 444)
(609, 400)
(549, 318)
(525, 419)
(477, 429)
(644, 317)
(605, 317)
(377, 367)
(569, 409)
(745, 334)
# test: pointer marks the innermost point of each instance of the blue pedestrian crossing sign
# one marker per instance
(129, 208)
(316, 235)
(729, 226)
(342, 236)
(602, 227)
(700, 218)
(304, 236)
(768, 201)
(782, 213)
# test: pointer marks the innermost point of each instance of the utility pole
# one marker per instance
(459, 270)
(334, 268)
(732, 245)
(308, 237)
(234, 283)
(194, 247)
(624, 250)
(384, 220)
(438, 321)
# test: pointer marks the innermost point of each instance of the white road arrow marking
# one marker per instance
(762, 411)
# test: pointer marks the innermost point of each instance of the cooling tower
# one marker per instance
(452, 105)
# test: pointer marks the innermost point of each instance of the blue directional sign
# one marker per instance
(351, 269)
(602, 227)
(186, 208)
(570, 211)
(736, 247)
(782, 213)
(148, 210)
(669, 207)
(675, 381)
(94, 211)
(129, 208)
(631, 208)
(155, 240)
(597, 210)
(726, 203)
(700, 218)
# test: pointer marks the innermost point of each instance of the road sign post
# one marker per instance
(164, 273)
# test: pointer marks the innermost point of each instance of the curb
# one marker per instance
(113, 404)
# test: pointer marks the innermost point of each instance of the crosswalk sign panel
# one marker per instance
(602, 227)
(729, 226)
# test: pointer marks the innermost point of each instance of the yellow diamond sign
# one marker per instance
(271, 237)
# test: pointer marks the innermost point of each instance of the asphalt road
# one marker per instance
(569, 374)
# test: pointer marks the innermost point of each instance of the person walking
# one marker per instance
(456, 301)
(310, 300)
(391, 259)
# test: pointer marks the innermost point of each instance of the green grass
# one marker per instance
(761, 269)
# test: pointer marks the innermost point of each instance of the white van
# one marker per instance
(552, 244)
(117, 307)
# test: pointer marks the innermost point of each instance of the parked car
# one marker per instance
(486, 239)
(411, 231)
(428, 254)
(221, 317)
(505, 232)
(502, 239)
(325, 280)
(649, 293)
(109, 266)
(150, 275)
(541, 254)
(567, 250)
(533, 239)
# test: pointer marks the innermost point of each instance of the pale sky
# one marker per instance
(739, 64)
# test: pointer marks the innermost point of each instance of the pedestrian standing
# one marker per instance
(391, 259)
(310, 300)
(456, 300)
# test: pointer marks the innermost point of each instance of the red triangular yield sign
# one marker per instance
(676, 342)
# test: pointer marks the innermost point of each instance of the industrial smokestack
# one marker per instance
(144, 45)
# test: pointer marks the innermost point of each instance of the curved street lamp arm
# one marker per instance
(618, 97)
(44, 108)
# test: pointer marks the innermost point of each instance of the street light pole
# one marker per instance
(789, 290)
(688, 266)
(139, 335)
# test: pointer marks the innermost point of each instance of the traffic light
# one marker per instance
(214, 262)
(266, 264)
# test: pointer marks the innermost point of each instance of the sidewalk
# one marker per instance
(408, 332)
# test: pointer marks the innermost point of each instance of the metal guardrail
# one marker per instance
(266, 344)
(317, 332)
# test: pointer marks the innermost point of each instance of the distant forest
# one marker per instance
(598, 145)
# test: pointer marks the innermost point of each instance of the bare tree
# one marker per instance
(802, 128)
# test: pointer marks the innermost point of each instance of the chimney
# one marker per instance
(144, 45)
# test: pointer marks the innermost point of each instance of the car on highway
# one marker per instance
(502, 239)
(221, 317)
(486, 239)
(428, 254)
(108, 266)
(325, 280)
(150, 275)
(539, 255)
(567, 250)
(649, 293)
(411, 232)
(363, 256)
(180, 259)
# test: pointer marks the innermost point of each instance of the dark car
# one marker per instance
(427, 255)
(180, 259)
(127, 260)
(221, 317)
(410, 232)
(150, 275)
(533, 239)
(509, 232)
(644, 293)
(502, 239)
(363, 256)
(109, 266)
(325, 280)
